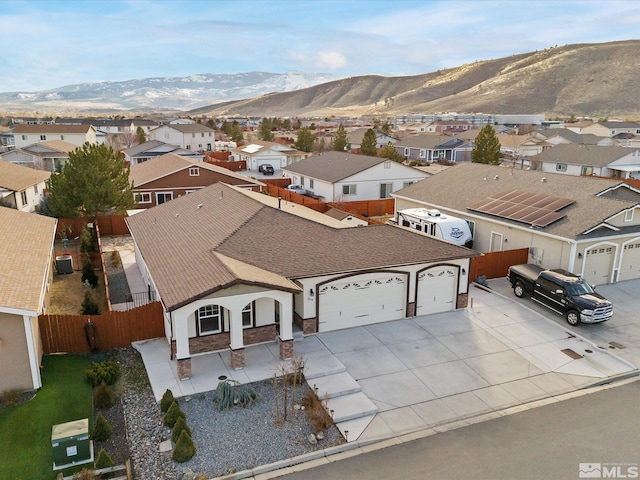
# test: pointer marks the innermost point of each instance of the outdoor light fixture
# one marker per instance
(464, 272)
(311, 292)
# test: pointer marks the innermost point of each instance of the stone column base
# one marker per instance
(237, 359)
(286, 349)
(184, 369)
(462, 300)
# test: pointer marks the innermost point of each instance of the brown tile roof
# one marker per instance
(333, 166)
(25, 258)
(169, 163)
(182, 242)
(54, 129)
(17, 177)
(458, 187)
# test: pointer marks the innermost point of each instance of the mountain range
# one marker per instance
(595, 80)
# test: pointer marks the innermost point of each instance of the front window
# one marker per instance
(23, 196)
(144, 197)
(311, 183)
(348, 189)
(385, 190)
(561, 167)
(43, 137)
(302, 181)
(587, 171)
(247, 316)
(163, 197)
(209, 319)
(194, 172)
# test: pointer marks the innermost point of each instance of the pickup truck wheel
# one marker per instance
(573, 317)
(518, 289)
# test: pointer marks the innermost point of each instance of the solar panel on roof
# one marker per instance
(535, 209)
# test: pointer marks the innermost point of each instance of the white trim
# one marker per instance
(163, 193)
(33, 361)
(616, 246)
(618, 267)
(141, 194)
(603, 224)
(496, 234)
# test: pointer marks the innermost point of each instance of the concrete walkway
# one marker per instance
(417, 373)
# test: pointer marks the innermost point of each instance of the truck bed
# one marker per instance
(527, 271)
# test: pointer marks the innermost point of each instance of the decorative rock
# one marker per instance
(187, 399)
(188, 474)
(312, 439)
(320, 435)
(166, 446)
(296, 407)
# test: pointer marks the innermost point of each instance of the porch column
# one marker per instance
(183, 356)
(236, 339)
(286, 328)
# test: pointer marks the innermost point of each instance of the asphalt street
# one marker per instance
(597, 433)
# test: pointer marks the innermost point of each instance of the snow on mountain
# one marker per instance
(164, 93)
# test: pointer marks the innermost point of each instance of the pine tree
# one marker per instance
(340, 141)
(101, 429)
(181, 424)
(305, 140)
(166, 400)
(264, 130)
(390, 152)
(172, 415)
(185, 449)
(369, 142)
(103, 396)
(487, 147)
(104, 460)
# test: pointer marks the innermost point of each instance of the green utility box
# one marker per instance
(71, 444)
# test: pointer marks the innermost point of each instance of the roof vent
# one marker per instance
(543, 179)
(496, 177)
(433, 213)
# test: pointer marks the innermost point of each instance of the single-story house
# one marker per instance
(559, 136)
(170, 176)
(345, 177)
(21, 187)
(154, 148)
(572, 159)
(260, 153)
(354, 138)
(435, 148)
(521, 145)
(27, 263)
(231, 272)
(587, 225)
(50, 155)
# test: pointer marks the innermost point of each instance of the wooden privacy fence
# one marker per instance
(68, 334)
(495, 264)
(109, 225)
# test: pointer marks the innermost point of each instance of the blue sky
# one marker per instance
(50, 43)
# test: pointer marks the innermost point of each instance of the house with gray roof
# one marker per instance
(232, 271)
(154, 148)
(572, 159)
(558, 136)
(50, 155)
(345, 177)
(587, 225)
(431, 148)
(260, 152)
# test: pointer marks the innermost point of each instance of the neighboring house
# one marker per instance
(346, 218)
(155, 148)
(233, 272)
(25, 134)
(435, 148)
(50, 155)
(354, 138)
(570, 159)
(27, 264)
(21, 187)
(587, 225)
(261, 153)
(521, 145)
(560, 136)
(193, 136)
(6, 139)
(171, 176)
(611, 129)
(448, 126)
(345, 177)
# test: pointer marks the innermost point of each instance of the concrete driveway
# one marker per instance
(397, 377)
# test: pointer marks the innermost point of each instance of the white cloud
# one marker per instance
(331, 59)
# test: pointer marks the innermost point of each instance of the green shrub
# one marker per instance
(104, 460)
(185, 449)
(87, 244)
(178, 428)
(88, 274)
(89, 305)
(230, 393)
(101, 429)
(166, 401)
(107, 372)
(172, 415)
(103, 396)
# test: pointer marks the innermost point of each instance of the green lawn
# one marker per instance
(25, 430)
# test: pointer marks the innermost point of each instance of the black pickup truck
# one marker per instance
(561, 291)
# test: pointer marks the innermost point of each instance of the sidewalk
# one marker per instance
(422, 372)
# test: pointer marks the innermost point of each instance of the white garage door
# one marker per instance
(630, 267)
(361, 300)
(598, 265)
(437, 288)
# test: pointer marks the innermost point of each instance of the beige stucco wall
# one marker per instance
(15, 370)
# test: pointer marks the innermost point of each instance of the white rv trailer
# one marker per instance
(431, 221)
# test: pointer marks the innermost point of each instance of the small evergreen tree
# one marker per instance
(166, 400)
(369, 142)
(86, 241)
(487, 147)
(141, 137)
(264, 130)
(104, 460)
(390, 152)
(181, 424)
(89, 305)
(88, 274)
(185, 449)
(101, 429)
(172, 415)
(103, 396)
(340, 142)
(305, 140)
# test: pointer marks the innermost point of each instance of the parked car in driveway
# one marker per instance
(299, 189)
(266, 169)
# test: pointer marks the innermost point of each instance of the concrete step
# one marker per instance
(350, 407)
(321, 365)
(331, 386)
